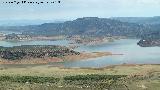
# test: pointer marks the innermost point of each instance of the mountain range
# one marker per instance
(87, 26)
(93, 26)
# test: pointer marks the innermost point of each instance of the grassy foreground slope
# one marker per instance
(47, 77)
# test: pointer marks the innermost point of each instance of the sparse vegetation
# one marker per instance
(28, 79)
(34, 51)
(44, 78)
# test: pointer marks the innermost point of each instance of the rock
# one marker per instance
(149, 42)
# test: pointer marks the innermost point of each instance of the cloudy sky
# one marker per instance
(71, 9)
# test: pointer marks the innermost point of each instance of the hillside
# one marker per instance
(137, 27)
(139, 20)
(48, 77)
(150, 39)
(87, 26)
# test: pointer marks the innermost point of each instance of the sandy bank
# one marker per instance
(84, 56)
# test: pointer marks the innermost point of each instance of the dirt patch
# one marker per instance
(83, 56)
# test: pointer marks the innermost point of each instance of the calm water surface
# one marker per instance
(133, 54)
(19, 43)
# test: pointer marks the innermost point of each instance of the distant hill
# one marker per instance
(139, 20)
(26, 22)
(87, 26)
(146, 28)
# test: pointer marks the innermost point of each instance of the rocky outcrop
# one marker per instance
(149, 42)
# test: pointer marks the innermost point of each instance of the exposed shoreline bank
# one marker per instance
(82, 56)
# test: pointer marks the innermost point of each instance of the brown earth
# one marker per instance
(83, 56)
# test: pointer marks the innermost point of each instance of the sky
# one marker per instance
(72, 9)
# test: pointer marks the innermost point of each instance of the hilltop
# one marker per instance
(87, 26)
(139, 20)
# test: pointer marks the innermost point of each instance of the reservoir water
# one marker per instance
(132, 53)
(19, 43)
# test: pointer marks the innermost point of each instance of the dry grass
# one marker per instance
(48, 70)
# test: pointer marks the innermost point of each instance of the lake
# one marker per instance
(42, 42)
(132, 53)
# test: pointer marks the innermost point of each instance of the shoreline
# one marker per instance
(82, 56)
(83, 68)
(47, 70)
(86, 56)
